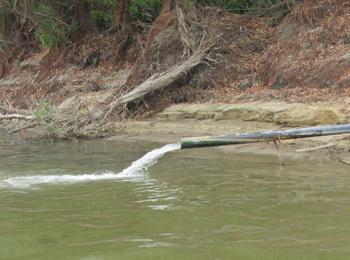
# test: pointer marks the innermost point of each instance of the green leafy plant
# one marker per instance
(44, 110)
(45, 115)
(240, 6)
(102, 12)
(48, 31)
(145, 10)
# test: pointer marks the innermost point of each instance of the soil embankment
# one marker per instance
(252, 73)
(303, 58)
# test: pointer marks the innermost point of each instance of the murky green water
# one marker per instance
(194, 204)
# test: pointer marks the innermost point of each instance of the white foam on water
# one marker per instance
(137, 169)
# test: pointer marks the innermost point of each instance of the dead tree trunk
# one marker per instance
(2, 27)
(162, 22)
(166, 18)
(167, 6)
(5, 41)
(122, 16)
(123, 37)
(87, 25)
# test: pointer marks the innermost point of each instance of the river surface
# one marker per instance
(192, 204)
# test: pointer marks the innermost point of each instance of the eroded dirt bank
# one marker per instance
(189, 120)
(303, 58)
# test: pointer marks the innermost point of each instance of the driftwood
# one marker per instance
(265, 136)
(16, 116)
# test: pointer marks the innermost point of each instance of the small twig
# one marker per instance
(14, 6)
(315, 148)
(30, 125)
(51, 17)
(25, 14)
(8, 42)
(33, 26)
(277, 145)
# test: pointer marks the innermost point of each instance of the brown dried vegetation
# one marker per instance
(304, 58)
(309, 50)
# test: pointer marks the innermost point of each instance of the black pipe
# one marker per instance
(255, 137)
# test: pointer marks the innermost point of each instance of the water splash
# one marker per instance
(137, 169)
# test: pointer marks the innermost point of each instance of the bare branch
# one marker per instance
(315, 148)
(16, 116)
(7, 42)
(27, 126)
(51, 17)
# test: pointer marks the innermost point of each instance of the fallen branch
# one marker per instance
(16, 116)
(4, 41)
(160, 80)
(9, 110)
(315, 148)
(197, 53)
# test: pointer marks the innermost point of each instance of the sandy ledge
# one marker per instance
(171, 132)
(187, 120)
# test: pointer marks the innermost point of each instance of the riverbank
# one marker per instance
(260, 75)
(188, 120)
